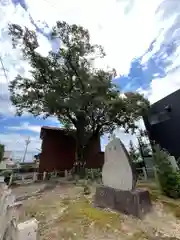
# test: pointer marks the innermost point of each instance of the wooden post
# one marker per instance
(22, 178)
(1, 179)
(145, 173)
(66, 174)
(10, 180)
(34, 176)
(44, 175)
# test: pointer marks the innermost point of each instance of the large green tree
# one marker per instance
(67, 85)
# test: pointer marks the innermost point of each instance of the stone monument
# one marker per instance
(119, 178)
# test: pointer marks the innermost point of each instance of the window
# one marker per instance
(153, 119)
(159, 117)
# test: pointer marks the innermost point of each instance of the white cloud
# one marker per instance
(120, 33)
(119, 133)
(124, 28)
(125, 137)
(26, 126)
(16, 142)
(116, 25)
(110, 25)
(160, 88)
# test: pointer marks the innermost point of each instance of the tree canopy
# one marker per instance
(67, 85)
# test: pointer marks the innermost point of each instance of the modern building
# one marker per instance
(163, 123)
(59, 150)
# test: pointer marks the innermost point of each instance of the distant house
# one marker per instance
(7, 162)
(7, 155)
(163, 123)
(59, 150)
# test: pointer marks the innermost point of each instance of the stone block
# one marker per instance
(136, 202)
(27, 230)
(104, 197)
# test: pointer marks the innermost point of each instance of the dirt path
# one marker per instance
(27, 189)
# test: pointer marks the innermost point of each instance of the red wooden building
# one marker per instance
(59, 150)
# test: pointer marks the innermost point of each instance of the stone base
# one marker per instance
(136, 202)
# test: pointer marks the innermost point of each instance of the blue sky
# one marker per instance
(141, 40)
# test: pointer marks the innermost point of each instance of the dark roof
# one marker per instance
(62, 130)
(58, 129)
(65, 131)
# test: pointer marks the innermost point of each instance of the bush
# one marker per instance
(93, 174)
(169, 179)
(7, 175)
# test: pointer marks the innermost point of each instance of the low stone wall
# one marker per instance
(9, 217)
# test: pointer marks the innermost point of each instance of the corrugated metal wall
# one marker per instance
(58, 152)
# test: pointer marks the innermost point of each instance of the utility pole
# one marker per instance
(27, 142)
(4, 73)
(3, 68)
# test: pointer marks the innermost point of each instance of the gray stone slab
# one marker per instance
(118, 171)
(136, 203)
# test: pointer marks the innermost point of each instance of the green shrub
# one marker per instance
(7, 175)
(93, 174)
(169, 179)
(86, 189)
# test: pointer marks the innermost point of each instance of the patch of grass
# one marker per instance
(150, 185)
(74, 217)
(41, 211)
(100, 217)
(177, 212)
(170, 204)
(140, 235)
(153, 189)
(155, 195)
(68, 234)
(84, 211)
(66, 201)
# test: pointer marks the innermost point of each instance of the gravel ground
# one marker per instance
(27, 189)
(64, 213)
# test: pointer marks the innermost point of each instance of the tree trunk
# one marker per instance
(80, 148)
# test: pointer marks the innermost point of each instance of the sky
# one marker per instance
(141, 40)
